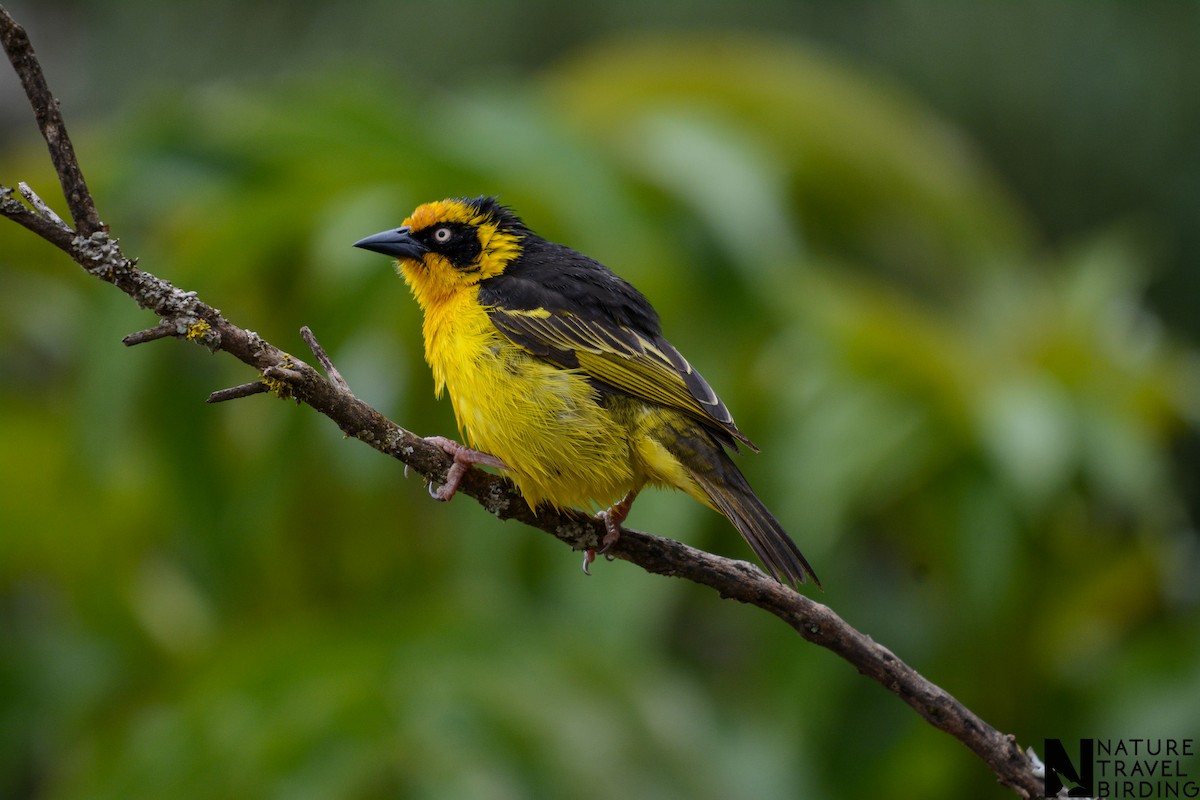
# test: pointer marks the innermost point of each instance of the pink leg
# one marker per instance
(612, 516)
(464, 457)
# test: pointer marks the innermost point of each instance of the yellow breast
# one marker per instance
(547, 424)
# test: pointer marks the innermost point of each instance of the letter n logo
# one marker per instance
(1059, 768)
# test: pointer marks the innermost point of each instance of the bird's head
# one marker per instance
(450, 245)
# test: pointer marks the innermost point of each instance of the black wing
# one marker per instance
(574, 312)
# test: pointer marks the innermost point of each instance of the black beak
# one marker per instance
(397, 242)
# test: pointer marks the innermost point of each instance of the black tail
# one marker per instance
(730, 492)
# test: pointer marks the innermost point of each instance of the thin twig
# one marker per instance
(323, 358)
(50, 123)
(236, 392)
(58, 235)
(39, 205)
(160, 331)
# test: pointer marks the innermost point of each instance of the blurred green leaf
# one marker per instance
(970, 438)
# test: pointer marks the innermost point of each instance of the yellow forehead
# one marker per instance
(498, 248)
(440, 212)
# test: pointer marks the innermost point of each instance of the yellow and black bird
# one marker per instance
(559, 374)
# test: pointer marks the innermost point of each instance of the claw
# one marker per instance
(612, 517)
(464, 457)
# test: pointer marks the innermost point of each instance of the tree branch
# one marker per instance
(57, 233)
(185, 316)
(50, 123)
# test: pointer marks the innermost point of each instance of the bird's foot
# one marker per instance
(464, 457)
(612, 517)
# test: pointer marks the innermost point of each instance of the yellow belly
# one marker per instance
(547, 424)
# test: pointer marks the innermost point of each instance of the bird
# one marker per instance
(561, 378)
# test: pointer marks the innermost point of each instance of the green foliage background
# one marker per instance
(971, 424)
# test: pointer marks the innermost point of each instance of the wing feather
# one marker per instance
(576, 313)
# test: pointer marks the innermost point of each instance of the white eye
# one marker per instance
(442, 235)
